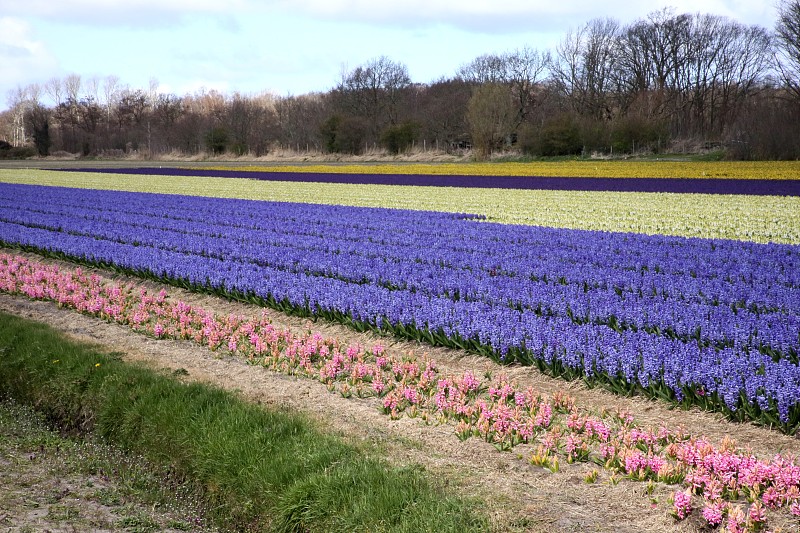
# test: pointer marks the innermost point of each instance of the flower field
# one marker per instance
(701, 322)
(720, 483)
(752, 186)
(717, 216)
(758, 170)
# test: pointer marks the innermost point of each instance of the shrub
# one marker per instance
(344, 134)
(631, 134)
(17, 152)
(399, 138)
(217, 140)
(557, 136)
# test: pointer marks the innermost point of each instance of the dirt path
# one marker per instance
(521, 497)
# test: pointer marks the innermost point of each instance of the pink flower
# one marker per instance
(378, 385)
(544, 415)
(736, 519)
(795, 509)
(391, 402)
(713, 514)
(411, 394)
(682, 503)
(469, 383)
(757, 513)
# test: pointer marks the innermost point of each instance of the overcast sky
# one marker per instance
(291, 46)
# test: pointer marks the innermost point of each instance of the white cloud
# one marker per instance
(515, 15)
(25, 59)
(135, 13)
(470, 15)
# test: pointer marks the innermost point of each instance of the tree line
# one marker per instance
(666, 82)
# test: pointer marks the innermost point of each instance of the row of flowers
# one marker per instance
(747, 218)
(724, 485)
(384, 176)
(747, 170)
(712, 323)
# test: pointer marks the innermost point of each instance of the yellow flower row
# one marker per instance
(747, 218)
(571, 169)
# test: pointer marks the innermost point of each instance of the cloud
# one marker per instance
(128, 13)
(511, 15)
(471, 15)
(25, 59)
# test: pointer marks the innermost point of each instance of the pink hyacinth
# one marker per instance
(718, 472)
(713, 514)
(757, 514)
(411, 395)
(682, 503)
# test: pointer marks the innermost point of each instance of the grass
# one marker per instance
(53, 482)
(255, 469)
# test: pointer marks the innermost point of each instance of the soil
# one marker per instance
(518, 496)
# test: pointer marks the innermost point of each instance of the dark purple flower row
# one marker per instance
(673, 185)
(686, 316)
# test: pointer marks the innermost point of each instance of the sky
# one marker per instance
(287, 47)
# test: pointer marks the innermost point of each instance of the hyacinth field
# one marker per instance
(710, 479)
(404, 176)
(747, 217)
(704, 322)
(691, 319)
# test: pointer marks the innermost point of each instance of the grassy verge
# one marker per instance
(49, 482)
(256, 469)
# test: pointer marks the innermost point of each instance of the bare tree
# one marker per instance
(787, 33)
(486, 68)
(37, 118)
(110, 95)
(374, 91)
(92, 87)
(250, 121)
(72, 86)
(522, 70)
(743, 64)
(726, 61)
(299, 119)
(584, 68)
(55, 90)
(526, 69)
(652, 53)
(441, 111)
(17, 102)
(33, 93)
(131, 108)
(694, 70)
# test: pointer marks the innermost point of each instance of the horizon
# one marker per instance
(232, 46)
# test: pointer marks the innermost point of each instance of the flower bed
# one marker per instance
(721, 483)
(751, 186)
(701, 322)
(741, 217)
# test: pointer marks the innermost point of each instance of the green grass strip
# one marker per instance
(260, 470)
